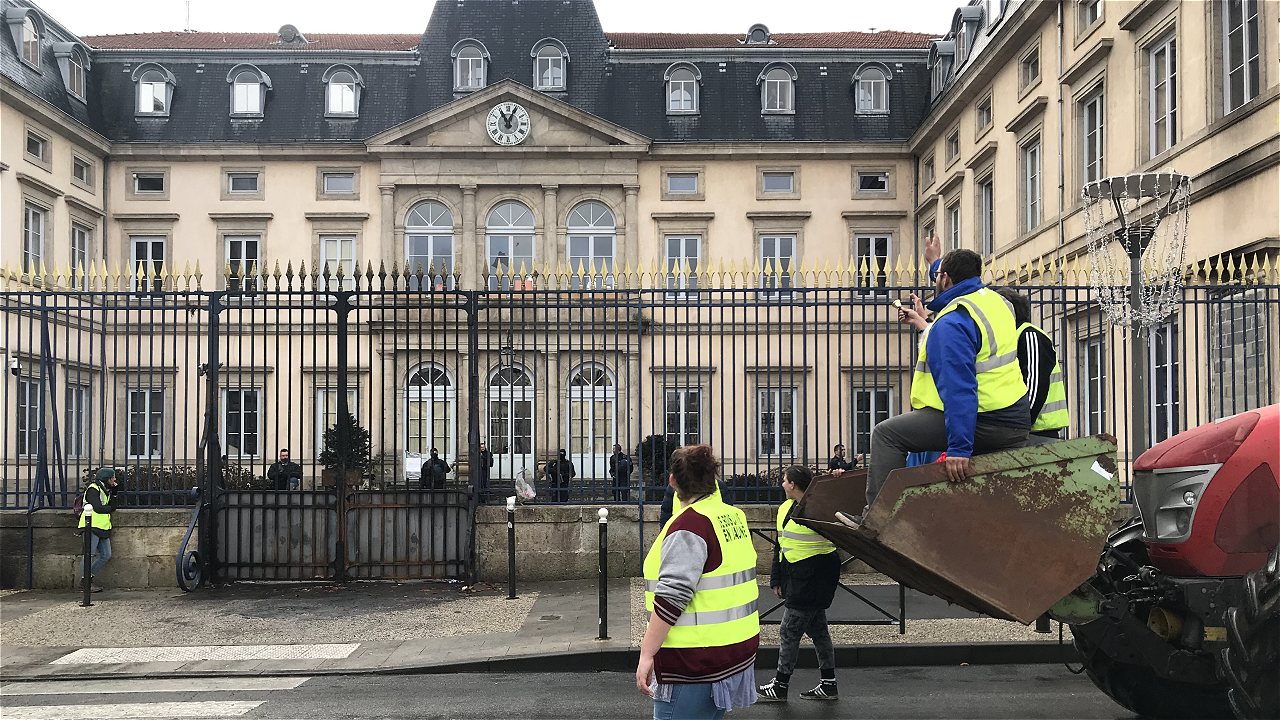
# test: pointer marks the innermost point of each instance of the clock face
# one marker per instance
(508, 124)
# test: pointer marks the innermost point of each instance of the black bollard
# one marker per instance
(86, 580)
(511, 547)
(604, 574)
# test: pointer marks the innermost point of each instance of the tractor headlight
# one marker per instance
(1182, 520)
(1189, 497)
(1168, 497)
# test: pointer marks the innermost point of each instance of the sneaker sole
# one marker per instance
(824, 699)
(761, 699)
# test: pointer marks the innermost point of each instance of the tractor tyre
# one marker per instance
(1251, 660)
(1139, 689)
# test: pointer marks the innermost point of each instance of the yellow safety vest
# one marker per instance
(797, 541)
(999, 378)
(1053, 416)
(723, 609)
(101, 521)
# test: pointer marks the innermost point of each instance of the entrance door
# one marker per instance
(592, 421)
(511, 422)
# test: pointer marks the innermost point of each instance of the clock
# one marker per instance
(508, 123)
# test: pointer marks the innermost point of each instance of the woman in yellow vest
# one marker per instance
(806, 570)
(697, 659)
(99, 494)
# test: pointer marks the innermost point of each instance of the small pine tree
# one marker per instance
(346, 445)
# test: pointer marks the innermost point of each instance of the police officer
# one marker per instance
(101, 496)
(967, 393)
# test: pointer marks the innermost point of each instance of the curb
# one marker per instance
(624, 660)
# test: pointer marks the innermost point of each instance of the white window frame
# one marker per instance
(324, 419)
(510, 224)
(42, 142)
(150, 410)
(29, 413)
(427, 395)
(245, 412)
(31, 40)
(1163, 85)
(764, 182)
(339, 250)
(240, 263)
(882, 174)
(246, 94)
(682, 266)
(153, 94)
(429, 227)
(776, 267)
(342, 95)
(1092, 353)
(1089, 12)
(951, 148)
(242, 174)
(152, 265)
(81, 237)
(873, 92)
(325, 177)
(164, 183)
(867, 248)
(1032, 166)
(593, 224)
(777, 92)
(1093, 135)
(983, 114)
(1029, 69)
(1163, 353)
(682, 80)
(875, 404)
(953, 225)
(35, 229)
(769, 400)
(87, 178)
(1249, 67)
(671, 190)
(76, 429)
(684, 397)
(76, 74)
(986, 216)
(550, 59)
(469, 69)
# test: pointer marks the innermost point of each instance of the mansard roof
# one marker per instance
(251, 41)
(884, 40)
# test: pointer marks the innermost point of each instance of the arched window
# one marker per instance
(469, 60)
(77, 64)
(342, 86)
(873, 90)
(550, 60)
(591, 414)
(777, 88)
(429, 422)
(249, 87)
(155, 89)
(428, 237)
(758, 35)
(682, 88)
(592, 237)
(511, 398)
(31, 40)
(509, 239)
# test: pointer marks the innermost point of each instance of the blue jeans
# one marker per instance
(100, 547)
(688, 702)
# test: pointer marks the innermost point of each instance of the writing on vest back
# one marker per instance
(732, 527)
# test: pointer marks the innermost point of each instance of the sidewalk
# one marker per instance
(291, 629)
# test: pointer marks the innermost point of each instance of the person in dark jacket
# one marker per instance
(284, 473)
(101, 496)
(1038, 360)
(485, 469)
(806, 570)
(839, 462)
(434, 472)
(559, 474)
(620, 471)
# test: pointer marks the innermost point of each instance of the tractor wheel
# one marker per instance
(1251, 661)
(1139, 689)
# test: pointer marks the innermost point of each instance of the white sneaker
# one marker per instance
(853, 521)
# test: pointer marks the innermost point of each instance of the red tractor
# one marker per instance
(1184, 616)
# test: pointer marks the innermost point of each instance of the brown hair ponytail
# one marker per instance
(695, 468)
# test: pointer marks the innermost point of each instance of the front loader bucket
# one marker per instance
(1020, 534)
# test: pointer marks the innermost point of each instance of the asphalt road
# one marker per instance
(998, 691)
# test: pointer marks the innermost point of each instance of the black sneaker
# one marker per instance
(826, 690)
(774, 692)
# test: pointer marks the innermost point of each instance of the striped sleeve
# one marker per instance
(1029, 362)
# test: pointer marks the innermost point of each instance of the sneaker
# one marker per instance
(774, 692)
(93, 587)
(853, 521)
(826, 690)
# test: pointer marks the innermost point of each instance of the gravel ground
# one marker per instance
(967, 630)
(296, 614)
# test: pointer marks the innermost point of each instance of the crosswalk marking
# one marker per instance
(329, 651)
(134, 711)
(151, 685)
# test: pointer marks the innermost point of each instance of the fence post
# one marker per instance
(86, 580)
(511, 547)
(342, 306)
(604, 574)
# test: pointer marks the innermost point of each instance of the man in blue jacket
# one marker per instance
(967, 392)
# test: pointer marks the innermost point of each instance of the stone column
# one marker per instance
(470, 252)
(386, 239)
(548, 252)
(630, 255)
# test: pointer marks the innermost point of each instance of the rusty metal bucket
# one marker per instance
(1020, 534)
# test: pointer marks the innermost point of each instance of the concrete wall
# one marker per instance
(143, 546)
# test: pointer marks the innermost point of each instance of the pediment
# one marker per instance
(553, 123)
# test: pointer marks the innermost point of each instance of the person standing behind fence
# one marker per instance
(485, 469)
(839, 462)
(620, 471)
(435, 471)
(806, 570)
(285, 474)
(697, 658)
(560, 473)
(99, 494)
(1041, 371)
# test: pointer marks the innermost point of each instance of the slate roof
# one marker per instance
(249, 41)
(603, 79)
(47, 83)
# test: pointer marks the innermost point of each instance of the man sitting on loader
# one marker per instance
(967, 393)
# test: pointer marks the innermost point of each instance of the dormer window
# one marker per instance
(73, 62)
(342, 86)
(872, 86)
(550, 57)
(75, 74)
(777, 89)
(31, 40)
(682, 81)
(469, 60)
(249, 87)
(155, 89)
(758, 34)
